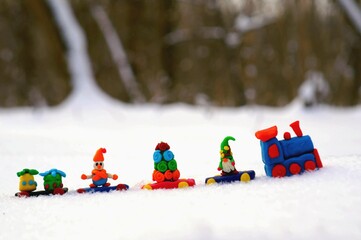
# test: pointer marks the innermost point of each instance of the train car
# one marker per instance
(290, 156)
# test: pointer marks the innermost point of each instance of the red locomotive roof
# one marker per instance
(266, 134)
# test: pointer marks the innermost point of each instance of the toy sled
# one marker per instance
(119, 187)
(242, 176)
(180, 183)
(58, 191)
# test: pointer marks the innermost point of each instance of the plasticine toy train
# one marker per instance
(289, 156)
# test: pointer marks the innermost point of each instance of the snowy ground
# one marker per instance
(325, 204)
(321, 205)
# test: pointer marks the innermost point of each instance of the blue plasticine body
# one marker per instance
(296, 146)
(295, 150)
(299, 160)
(289, 156)
(264, 151)
(100, 182)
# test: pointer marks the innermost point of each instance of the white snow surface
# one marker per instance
(325, 204)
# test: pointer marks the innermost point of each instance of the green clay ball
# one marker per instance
(172, 165)
(162, 166)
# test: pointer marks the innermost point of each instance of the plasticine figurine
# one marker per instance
(53, 181)
(166, 173)
(27, 182)
(165, 166)
(99, 174)
(290, 156)
(227, 164)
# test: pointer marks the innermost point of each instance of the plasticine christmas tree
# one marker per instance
(165, 166)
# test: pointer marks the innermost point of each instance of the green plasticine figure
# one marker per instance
(53, 181)
(227, 163)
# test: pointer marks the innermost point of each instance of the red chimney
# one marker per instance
(296, 128)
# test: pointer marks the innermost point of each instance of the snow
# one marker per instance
(321, 205)
(324, 204)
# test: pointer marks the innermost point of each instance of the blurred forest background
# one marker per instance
(206, 52)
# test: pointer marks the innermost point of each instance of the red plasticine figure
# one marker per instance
(99, 174)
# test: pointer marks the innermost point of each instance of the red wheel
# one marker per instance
(310, 165)
(121, 187)
(58, 191)
(81, 190)
(279, 171)
(295, 168)
(23, 194)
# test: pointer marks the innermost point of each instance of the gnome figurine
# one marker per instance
(227, 164)
(99, 175)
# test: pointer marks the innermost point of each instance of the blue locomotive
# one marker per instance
(289, 156)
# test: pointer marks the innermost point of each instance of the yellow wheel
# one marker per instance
(245, 177)
(147, 187)
(183, 185)
(211, 181)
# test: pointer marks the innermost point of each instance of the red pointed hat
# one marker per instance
(99, 155)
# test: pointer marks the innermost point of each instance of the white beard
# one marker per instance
(227, 166)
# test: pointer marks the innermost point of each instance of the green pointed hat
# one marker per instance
(225, 143)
